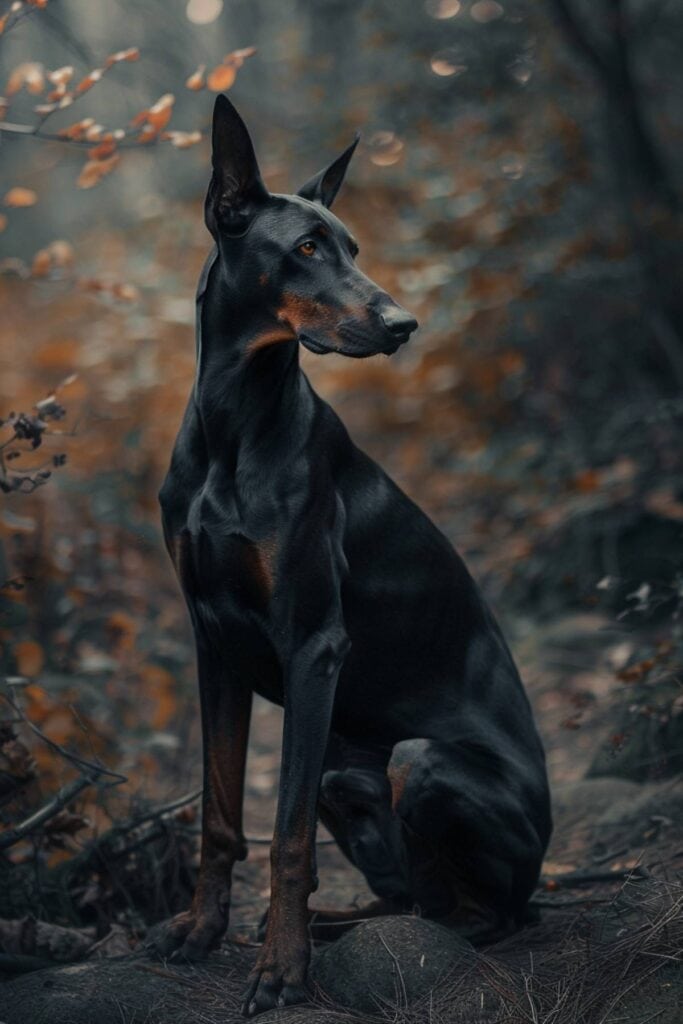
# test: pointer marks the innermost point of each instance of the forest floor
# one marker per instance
(605, 948)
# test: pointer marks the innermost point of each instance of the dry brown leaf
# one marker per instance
(196, 79)
(131, 54)
(3, 221)
(29, 658)
(222, 77)
(104, 149)
(90, 79)
(241, 55)
(30, 75)
(42, 264)
(159, 114)
(20, 197)
(61, 76)
(77, 130)
(94, 132)
(94, 170)
(148, 134)
(183, 140)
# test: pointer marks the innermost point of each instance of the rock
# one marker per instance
(388, 960)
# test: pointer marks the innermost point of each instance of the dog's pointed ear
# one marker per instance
(323, 187)
(236, 190)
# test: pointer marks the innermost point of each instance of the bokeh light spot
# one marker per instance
(203, 12)
(442, 9)
(486, 10)
(446, 63)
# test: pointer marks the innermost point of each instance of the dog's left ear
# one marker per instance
(323, 187)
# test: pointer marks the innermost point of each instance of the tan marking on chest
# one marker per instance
(181, 555)
(260, 563)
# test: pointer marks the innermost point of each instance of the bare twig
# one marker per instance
(88, 767)
(62, 797)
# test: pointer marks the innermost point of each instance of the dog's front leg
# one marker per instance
(225, 708)
(279, 976)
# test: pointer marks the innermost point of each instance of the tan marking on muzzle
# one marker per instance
(298, 311)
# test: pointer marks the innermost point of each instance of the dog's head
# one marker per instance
(290, 257)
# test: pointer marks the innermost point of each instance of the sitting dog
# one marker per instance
(312, 579)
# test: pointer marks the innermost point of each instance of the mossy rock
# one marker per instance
(388, 961)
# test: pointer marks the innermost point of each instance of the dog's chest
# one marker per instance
(227, 569)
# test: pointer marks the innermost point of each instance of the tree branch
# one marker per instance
(64, 796)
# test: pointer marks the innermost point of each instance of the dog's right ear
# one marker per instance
(236, 190)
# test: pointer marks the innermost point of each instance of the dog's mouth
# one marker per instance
(354, 353)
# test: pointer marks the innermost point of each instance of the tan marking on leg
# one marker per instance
(398, 777)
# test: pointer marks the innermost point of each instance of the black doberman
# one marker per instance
(312, 580)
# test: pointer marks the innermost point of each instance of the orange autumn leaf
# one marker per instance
(105, 148)
(90, 79)
(122, 630)
(159, 114)
(19, 197)
(196, 79)
(131, 54)
(183, 140)
(29, 658)
(587, 482)
(159, 685)
(60, 76)
(222, 77)
(94, 170)
(30, 75)
(77, 130)
(94, 133)
(42, 263)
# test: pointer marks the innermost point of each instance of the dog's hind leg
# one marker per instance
(476, 823)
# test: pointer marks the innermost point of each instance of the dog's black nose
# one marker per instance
(398, 321)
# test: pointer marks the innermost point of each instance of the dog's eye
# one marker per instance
(307, 248)
(354, 249)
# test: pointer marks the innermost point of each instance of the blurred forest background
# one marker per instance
(518, 188)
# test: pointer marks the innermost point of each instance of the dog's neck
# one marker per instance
(249, 390)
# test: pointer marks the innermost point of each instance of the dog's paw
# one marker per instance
(187, 937)
(278, 980)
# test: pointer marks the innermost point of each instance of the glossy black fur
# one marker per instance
(314, 581)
